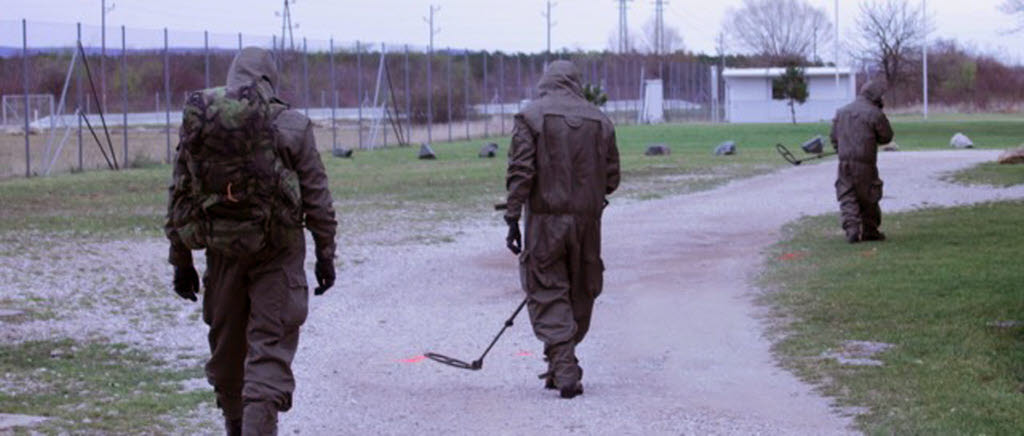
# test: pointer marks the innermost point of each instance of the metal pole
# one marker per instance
(103, 56)
(430, 84)
(206, 59)
(239, 41)
(167, 95)
(359, 90)
(519, 82)
(81, 113)
(124, 96)
(408, 99)
(836, 46)
(448, 72)
(305, 77)
(486, 96)
(501, 91)
(924, 58)
(24, 82)
(334, 102)
(465, 97)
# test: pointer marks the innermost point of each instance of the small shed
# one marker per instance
(748, 95)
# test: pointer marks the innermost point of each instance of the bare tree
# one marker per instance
(645, 42)
(778, 29)
(673, 39)
(1016, 8)
(888, 33)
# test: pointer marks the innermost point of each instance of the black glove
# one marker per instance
(324, 275)
(514, 240)
(186, 282)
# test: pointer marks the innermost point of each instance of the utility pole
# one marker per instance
(286, 24)
(547, 17)
(659, 27)
(430, 77)
(103, 52)
(924, 58)
(836, 48)
(623, 27)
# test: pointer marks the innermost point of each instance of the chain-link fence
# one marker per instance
(77, 98)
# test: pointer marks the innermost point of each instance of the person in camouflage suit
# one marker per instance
(857, 130)
(562, 162)
(256, 304)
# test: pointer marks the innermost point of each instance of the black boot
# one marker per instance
(233, 427)
(259, 419)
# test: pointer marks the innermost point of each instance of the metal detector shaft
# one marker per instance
(508, 323)
(788, 156)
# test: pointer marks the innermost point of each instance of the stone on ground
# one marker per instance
(342, 152)
(1014, 156)
(489, 150)
(9, 421)
(814, 145)
(892, 146)
(658, 150)
(726, 148)
(426, 152)
(961, 141)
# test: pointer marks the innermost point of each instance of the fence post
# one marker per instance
(305, 77)
(519, 82)
(714, 94)
(239, 41)
(334, 102)
(430, 92)
(206, 59)
(167, 95)
(24, 82)
(465, 97)
(80, 110)
(448, 73)
(408, 100)
(124, 96)
(487, 111)
(359, 90)
(501, 91)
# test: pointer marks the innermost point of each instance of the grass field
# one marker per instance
(990, 173)
(957, 365)
(391, 184)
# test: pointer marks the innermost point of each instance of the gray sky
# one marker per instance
(492, 24)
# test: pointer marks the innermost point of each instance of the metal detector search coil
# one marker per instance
(479, 363)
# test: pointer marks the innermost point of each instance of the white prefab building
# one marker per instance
(748, 95)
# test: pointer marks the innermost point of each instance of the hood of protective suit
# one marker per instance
(873, 91)
(250, 64)
(561, 77)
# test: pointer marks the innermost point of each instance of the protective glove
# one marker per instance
(186, 282)
(514, 240)
(324, 275)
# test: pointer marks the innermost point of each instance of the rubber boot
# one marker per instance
(567, 372)
(233, 427)
(874, 236)
(259, 419)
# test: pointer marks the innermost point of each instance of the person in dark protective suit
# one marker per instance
(255, 304)
(857, 131)
(563, 161)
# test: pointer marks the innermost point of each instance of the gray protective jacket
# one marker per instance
(860, 127)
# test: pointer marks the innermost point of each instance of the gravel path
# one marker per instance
(675, 348)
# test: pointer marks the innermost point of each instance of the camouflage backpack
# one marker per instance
(236, 196)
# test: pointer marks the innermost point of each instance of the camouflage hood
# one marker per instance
(250, 64)
(561, 77)
(873, 91)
